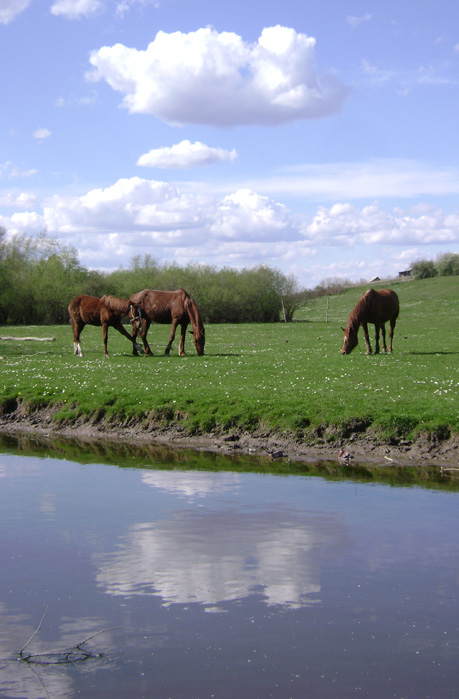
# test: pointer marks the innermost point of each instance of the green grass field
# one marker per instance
(268, 376)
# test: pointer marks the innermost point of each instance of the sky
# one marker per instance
(318, 138)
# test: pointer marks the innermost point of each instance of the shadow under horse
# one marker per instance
(174, 307)
(376, 307)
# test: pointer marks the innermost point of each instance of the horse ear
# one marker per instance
(343, 329)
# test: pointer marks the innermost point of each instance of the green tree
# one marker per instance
(423, 269)
(448, 265)
(39, 277)
(292, 298)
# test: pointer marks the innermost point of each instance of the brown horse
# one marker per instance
(106, 311)
(175, 307)
(375, 307)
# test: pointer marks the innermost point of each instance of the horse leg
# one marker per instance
(383, 333)
(105, 336)
(171, 337)
(182, 339)
(121, 329)
(377, 329)
(391, 334)
(367, 339)
(77, 327)
(146, 322)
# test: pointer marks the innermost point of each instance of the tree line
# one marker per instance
(39, 276)
(446, 265)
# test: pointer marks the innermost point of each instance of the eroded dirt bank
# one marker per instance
(356, 448)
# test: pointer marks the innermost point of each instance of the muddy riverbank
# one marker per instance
(356, 448)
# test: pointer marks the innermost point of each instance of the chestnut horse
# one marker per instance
(106, 311)
(376, 307)
(175, 307)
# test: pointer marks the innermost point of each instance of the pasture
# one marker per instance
(280, 377)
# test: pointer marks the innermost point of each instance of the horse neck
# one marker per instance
(355, 317)
(194, 316)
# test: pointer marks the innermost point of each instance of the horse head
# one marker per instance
(199, 339)
(135, 316)
(350, 340)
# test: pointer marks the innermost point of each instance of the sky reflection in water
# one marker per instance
(224, 583)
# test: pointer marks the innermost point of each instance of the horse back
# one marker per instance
(384, 305)
(161, 306)
(86, 309)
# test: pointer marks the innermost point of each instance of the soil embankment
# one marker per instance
(359, 447)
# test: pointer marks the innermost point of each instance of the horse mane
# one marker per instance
(138, 297)
(361, 310)
(194, 316)
(115, 304)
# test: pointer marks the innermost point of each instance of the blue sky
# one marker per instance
(319, 138)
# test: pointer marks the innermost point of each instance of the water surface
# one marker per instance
(223, 584)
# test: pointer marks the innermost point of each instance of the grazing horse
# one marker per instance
(375, 307)
(106, 311)
(175, 307)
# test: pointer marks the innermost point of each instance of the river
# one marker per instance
(185, 583)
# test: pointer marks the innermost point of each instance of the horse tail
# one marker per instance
(71, 307)
(74, 308)
(397, 306)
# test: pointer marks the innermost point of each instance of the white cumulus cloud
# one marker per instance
(125, 5)
(349, 226)
(18, 201)
(354, 21)
(206, 77)
(11, 171)
(249, 217)
(41, 134)
(74, 9)
(9, 9)
(138, 216)
(161, 215)
(185, 155)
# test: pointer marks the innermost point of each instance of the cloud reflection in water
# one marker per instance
(212, 556)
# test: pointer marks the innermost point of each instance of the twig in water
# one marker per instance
(72, 655)
(35, 632)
